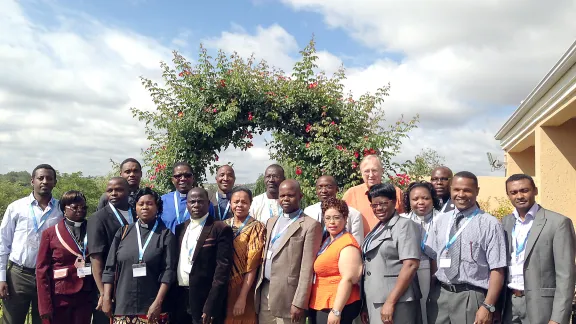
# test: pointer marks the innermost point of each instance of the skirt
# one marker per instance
(139, 319)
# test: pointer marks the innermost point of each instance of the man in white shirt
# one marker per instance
(326, 187)
(20, 231)
(266, 206)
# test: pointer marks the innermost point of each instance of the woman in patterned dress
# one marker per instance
(249, 239)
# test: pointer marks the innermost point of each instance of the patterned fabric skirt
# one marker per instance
(139, 319)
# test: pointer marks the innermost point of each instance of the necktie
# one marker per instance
(454, 250)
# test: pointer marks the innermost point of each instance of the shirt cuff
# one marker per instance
(3, 275)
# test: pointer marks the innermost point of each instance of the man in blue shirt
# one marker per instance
(175, 211)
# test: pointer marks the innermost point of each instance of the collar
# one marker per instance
(530, 215)
(427, 218)
(292, 214)
(34, 202)
(223, 196)
(466, 212)
(144, 225)
(197, 222)
(181, 195)
(73, 223)
(364, 188)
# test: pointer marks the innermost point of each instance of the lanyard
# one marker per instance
(118, 215)
(190, 250)
(222, 216)
(140, 248)
(451, 241)
(241, 227)
(280, 213)
(279, 233)
(519, 247)
(328, 242)
(44, 217)
(372, 235)
(426, 230)
(177, 208)
(81, 249)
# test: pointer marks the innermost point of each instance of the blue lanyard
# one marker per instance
(81, 249)
(118, 215)
(222, 216)
(423, 243)
(453, 239)
(279, 234)
(519, 247)
(241, 227)
(375, 232)
(328, 242)
(280, 213)
(177, 208)
(190, 250)
(141, 248)
(43, 218)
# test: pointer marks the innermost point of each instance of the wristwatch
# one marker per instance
(490, 308)
(337, 313)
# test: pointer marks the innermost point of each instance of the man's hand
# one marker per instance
(387, 313)
(107, 306)
(239, 306)
(483, 316)
(296, 314)
(154, 312)
(364, 317)
(100, 303)
(4, 294)
(207, 319)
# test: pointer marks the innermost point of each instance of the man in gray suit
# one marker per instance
(541, 257)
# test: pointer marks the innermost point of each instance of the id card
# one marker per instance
(139, 270)
(187, 267)
(445, 262)
(269, 255)
(516, 270)
(84, 271)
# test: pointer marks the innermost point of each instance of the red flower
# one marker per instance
(151, 186)
(250, 117)
(356, 155)
(223, 83)
(216, 157)
(354, 165)
(201, 89)
(249, 136)
(249, 145)
(308, 145)
(332, 123)
(308, 128)
(366, 152)
(181, 74)
(152, 178)
(214, 110)
(180, 114)
(312, 85)
(339, 147)
(298, 170)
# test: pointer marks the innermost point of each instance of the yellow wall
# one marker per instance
(492, 189)
(521, 162)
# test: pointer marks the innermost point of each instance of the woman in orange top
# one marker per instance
(338, 268)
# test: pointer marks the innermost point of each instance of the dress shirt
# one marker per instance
(280, 225)
(223, 205)
(188, 244)
(354, 225)
(17, 231)
(169, 211)
(263, 208)
(522, 228)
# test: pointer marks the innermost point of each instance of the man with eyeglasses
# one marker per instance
(175, 211)
(440, 179)
(131, 170)
(266, 206)
(20, 232)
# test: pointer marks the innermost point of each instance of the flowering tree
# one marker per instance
(222, 102)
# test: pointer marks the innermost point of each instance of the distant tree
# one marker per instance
(423, 164)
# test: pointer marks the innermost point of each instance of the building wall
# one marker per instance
(492, 190)
(521, 162)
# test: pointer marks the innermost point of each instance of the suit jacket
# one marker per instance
(214, 201)
(212, 266)
(292, 266)
(548, 267)
(52, 255)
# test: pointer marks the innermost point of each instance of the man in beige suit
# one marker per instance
(285, 277)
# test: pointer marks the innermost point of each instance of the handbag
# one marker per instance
(139, 319)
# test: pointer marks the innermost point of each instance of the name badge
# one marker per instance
(84, 271)
(139, 270)
(269, 255)
(445, 262)
(516, 270)
(187, 267)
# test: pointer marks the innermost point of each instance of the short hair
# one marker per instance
(43, 166)
(128, 160)
(242, 189)
(182, 163)
(382, 190)
(421, 184)
(372, 157)
(123, 180)
(466, 175)
(70, 197)
(518, 177)
(203, 191)
(276, 166)
(144, 192)
(338, 204)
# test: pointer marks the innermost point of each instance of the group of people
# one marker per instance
(378, 255)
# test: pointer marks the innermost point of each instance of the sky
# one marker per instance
(69, 69)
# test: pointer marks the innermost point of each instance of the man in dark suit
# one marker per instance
(541, 244)
(204, 264)
(102, 226)
(225, 179)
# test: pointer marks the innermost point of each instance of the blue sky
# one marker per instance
(70, 68)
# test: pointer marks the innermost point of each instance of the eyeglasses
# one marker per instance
(382, 204)
(333, 218)
(77, 208)
(183, 175)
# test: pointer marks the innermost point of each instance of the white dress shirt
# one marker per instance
(521, 230)
(354, 225)
(19, 241)
(189, 242)
(263, 208)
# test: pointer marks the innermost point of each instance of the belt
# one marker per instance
(20, 268)
(456, 288)
(517, 293)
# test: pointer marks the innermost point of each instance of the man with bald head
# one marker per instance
(225, 179)
(440, 179)
(326, 187)
(285, 277)
(266, 205)
(372, 171)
